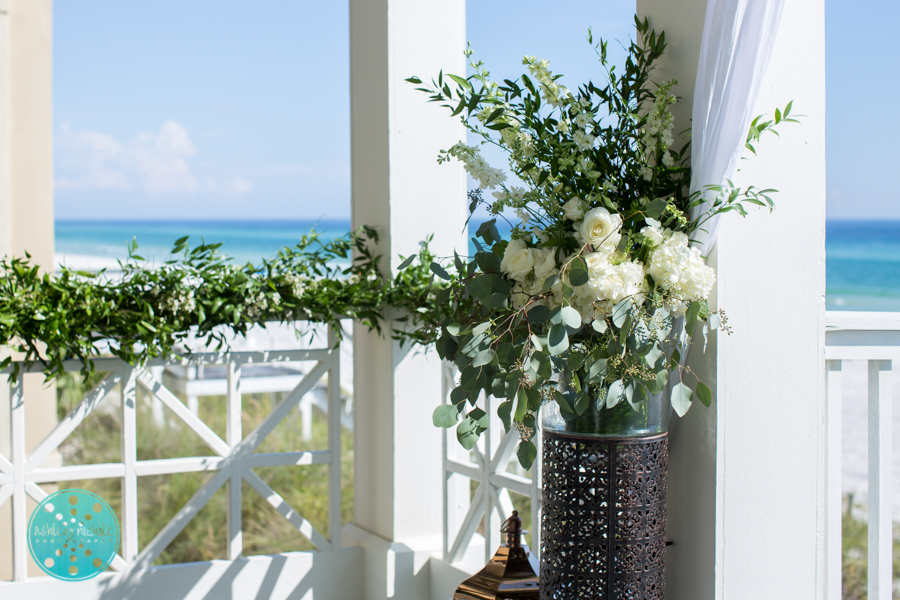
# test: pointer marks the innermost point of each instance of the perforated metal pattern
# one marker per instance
(604, 523)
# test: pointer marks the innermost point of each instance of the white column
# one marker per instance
(399, 188)
(26, 196)
(747, 481)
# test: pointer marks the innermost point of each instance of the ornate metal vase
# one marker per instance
(604, 514)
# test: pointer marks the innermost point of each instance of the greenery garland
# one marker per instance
(146, 312)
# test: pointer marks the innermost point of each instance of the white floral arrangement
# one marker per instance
(599, 285)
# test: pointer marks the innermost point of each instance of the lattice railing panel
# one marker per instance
(488, 466)
(233, 461)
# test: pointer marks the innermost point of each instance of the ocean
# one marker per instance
(863, 257)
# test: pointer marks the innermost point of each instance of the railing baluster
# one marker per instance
(334, 442)
(536, 498)
(489, 533)
(880, 513)
(233, 436)
(19, 507)
(833, 449)
(129, 459)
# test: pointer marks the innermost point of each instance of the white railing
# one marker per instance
(875, 338)
(235, 458)
(491, 501)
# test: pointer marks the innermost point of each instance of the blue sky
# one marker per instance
(205, 109)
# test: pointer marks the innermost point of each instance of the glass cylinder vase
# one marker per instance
(645, 418)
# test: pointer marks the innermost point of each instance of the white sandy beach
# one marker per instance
(84, 262)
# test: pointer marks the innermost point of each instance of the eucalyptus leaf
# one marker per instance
(578, 272)
(483, 358)
(704, 394)
(440, 272)
(621, 312)
(504, 411)
(445, 415)
(526, 453)
(682, 396)
(558, 339)
(570, 318)
(616, 393)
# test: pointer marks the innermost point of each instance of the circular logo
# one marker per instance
(73, 535)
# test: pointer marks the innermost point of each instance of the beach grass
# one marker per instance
(304, 488)
(854, 553)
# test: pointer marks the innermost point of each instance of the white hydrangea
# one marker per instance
(680, 269)
(608, 283)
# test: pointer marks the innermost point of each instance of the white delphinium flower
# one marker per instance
(601, 228)
(540, 234)
(609, 186)
(518, 260)
(676, 267)
(523, 216)
(668, 160)
(584, 141)
(647, 173)
(585, 164)
(573, 209)
(487, 176)
(553, 93)
(584, 120)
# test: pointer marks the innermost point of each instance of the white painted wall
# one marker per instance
(746, 477)
(399, 187)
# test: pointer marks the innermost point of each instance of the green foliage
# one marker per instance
(146, 312)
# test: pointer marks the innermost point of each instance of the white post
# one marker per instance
(26, 196)
(234, 435)
(880, 479)
(129, 460)
(833, 495)
(747, 480)
(399, 188)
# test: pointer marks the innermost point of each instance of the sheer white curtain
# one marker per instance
(738, 36)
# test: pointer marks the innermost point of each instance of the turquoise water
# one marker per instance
(863, 264)
(242, 240)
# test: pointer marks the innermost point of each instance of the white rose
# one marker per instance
(573, 209)
(600, 228)
(518, 260)
(544, 264)
(653, 234)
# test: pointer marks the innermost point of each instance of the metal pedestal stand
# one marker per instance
(604, 517)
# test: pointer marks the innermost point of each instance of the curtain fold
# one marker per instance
(738, 36)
